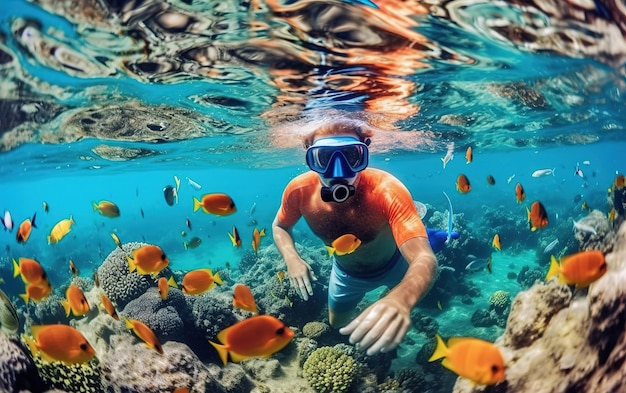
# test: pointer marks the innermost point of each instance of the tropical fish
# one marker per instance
(537, 216)
(9, 321)
(551, 246)
(618, 183)
(45, 207)
(108, 306)
(216, 203)
(344, 244)
(463, 184)
(234, 238)
(145, 333)
(578, 171)
(256, 238)
(543, 172)
(59, 343)
(148, 259)
(472, 358)
(25, 228)
(107, 208)
(496, 242)
(243, 299)
(188, 223)
(36, 292)
(469, 155)
(579, 226)
(450, 215)
(281, 276)
(439, 306)
(181, 390)
(490, 180)
(252, 209)
(164, 286)
(75, 302)
(259, 335)
(584, 206)
(479, 264)
(449, 154)
(193, 184)
(142, 214)
(580, 269)
(520, 195)
(61, 229)
(116, 239)
(7, 221)
(611, 215)
(508, 180)
(31, 271)
(73, 268)
(199, 281)
(170, 194)
(193, 243)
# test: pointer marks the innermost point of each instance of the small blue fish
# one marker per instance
(479, 264)
(449, 217)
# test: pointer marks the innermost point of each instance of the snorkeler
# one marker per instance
(339, 196)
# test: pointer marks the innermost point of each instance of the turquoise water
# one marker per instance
(225, 102)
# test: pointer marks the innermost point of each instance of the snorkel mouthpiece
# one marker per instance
(337, 192)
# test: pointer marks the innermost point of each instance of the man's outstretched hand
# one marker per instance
(437, 238)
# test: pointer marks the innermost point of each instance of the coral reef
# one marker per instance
(556, 342)
(17, 370)
(602, 239)
(75, 378)
(499, 301)
(329, 369)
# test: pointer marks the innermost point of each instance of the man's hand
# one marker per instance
(380, 328)
(300, 276)
(437, 238)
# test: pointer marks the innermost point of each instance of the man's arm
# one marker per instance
(300, 273)
(383, 325)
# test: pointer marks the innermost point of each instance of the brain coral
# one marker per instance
(71, 378)
(330, 370)
(119, 284)
(499, 301)
(315, 329)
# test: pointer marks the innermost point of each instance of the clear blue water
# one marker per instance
(521, 106)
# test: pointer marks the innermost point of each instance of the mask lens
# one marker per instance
(354, 155)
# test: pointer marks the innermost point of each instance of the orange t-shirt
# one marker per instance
(381, 201)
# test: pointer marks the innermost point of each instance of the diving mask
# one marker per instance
(337, 159)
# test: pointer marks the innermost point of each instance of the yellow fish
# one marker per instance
(116, 239)
(344, 244)
(61, 229)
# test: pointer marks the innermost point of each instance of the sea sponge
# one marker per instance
(17, 370)
(80, 377)
(315, 329)
(330, 370)
(499, 301)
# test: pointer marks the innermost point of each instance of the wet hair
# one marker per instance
(359, 129)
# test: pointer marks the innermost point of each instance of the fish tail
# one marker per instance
(262, 232)
(67, 307)
(554, 270)
(131, 264)
(232, 239)
(331, 250)
(95, 206)
(196, 204)
(217, 279)
(489, 265)
(441, 351)
(444, 162)
(16, 268)
(25, 297)
(172, 283)
(222, 351)
(553, 169)
(50, 239)
(32, 222)
(31, 344)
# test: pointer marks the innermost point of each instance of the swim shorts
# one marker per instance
(345, 291)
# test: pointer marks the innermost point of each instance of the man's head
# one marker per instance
(337, 152)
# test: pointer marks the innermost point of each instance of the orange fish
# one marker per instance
(36, 292)
(259, 335)
(30, 270)
(108, 306)
(537, 216)
(148, 259)
(181, 390)
(469, 155)
(234, 238)
(25, 228)
(164, 286)
(344, 244)
(580, 269)
(59, 343)
(75, 302)
(107, 208)
(243, 299)
(520, 195)
(477, 360)
(256, 238)
(491, 180)
(73, 268)
(619, 182)
(218, 204)
(199, 281)
(463, 184)
(61, 229)
(145, 333)
(496, 242)
(611, 215)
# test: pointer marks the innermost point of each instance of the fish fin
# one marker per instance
(554, 270)
(72, 220)
(527, 215)
(553, 169)
(217, 279)
(235, 357)
(232, 239)
(131, 264)
(172, 283)
(196, 204)
(67, 307)
(331, 250)
(16, 268)
(444, 162)
(489, 265)
(441, 351)
(31, 344)
(533, 229)
(95, 206)
(32, 221)
(262, 232)
(25, 297)
(222, 351)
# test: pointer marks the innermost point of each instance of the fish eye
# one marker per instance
(603, 266)
(163, 257)
(83, 346)
(280, 331)
(495, 369)
(232, 205)
(44, 275)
